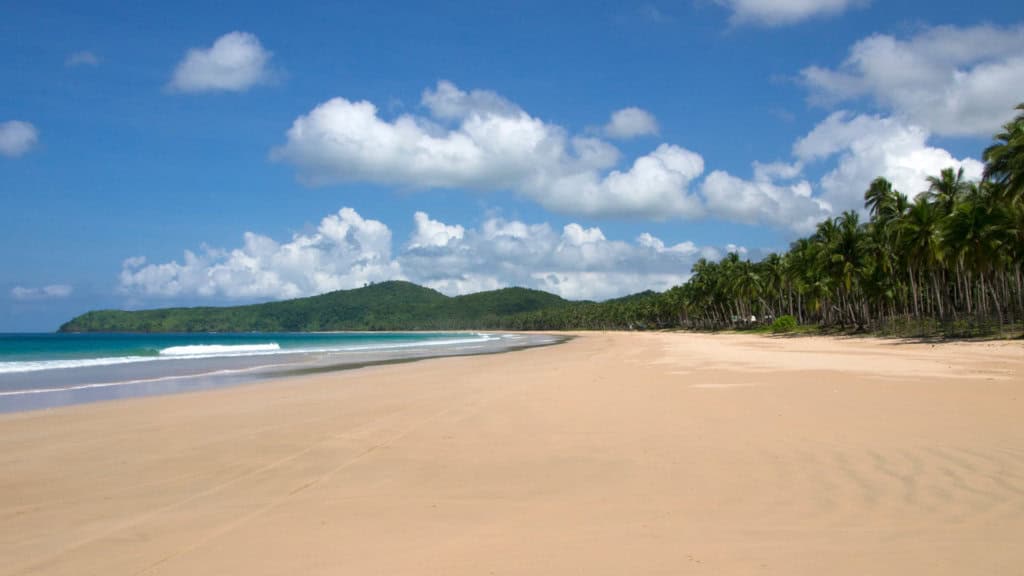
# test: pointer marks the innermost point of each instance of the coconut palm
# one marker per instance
(974, 234)
(920, 244)
(879, 197)
(946, 189)
(1004, 159)
(955, 253)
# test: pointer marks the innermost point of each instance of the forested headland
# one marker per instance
(944, 260)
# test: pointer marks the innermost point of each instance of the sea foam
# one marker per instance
(37, 365)
(171, 353)
(220, 349)
(202, 351)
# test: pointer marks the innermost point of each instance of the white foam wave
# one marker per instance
(37, 365)
(427, 343)
(199, 350)
(32, 391)
(172, 353)
(223, 350)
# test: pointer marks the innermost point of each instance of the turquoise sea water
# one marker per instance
(31, 352)
(44, 370)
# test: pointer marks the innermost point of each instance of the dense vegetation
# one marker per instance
(949, 260)
(385, 306)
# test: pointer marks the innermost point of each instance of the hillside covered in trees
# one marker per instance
(392, 305)
(946, 259)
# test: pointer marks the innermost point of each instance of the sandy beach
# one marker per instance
(611, 454)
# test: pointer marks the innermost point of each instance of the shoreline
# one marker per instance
(219, 372)
(614, 453)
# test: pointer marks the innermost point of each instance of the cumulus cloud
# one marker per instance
(53, 291)
(950, 80)
(433, 233)
(630, 123)
(575, 262)
(479, 140)
(771, 171)
(17, 138)
(347, 251)
(654, 187)
(851, 150)
(764, 201)
(236, 62)
(446, 101)
(783, 12)
(865, 147)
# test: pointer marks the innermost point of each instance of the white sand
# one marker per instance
(614, 454)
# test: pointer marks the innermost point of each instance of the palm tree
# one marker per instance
(1015, 249)
(919, 242)
(974, 234)
(946, 189)
(879, 197)
(776, 284)
(747, 287)
(959, 247)
(849, 258)
(1004, 159)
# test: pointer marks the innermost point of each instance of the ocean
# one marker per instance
(48, 370)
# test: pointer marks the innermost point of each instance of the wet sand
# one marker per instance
(610, 454)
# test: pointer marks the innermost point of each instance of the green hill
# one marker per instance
(386, 306)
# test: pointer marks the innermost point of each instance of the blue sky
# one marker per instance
(211, 153)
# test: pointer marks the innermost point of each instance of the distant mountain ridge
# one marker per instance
(393, 305)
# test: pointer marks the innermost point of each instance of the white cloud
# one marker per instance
(630, 123)
(654, 187)
(52, 291)
(578, 263)
(866, 147)
(347, 251)
(851, 151)
(83, 58)
(478, 140)
(950, 80)
(782, 12)
(433, 233)
(740, 250)
(763, 201)
(448, 102)
(17, 138)
(236, 62)
(771, 171)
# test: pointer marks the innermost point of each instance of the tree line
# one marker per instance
(949, 257)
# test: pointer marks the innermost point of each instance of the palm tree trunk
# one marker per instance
(1020, 292)
(966, 294)
(913, 290)
(938, 294)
